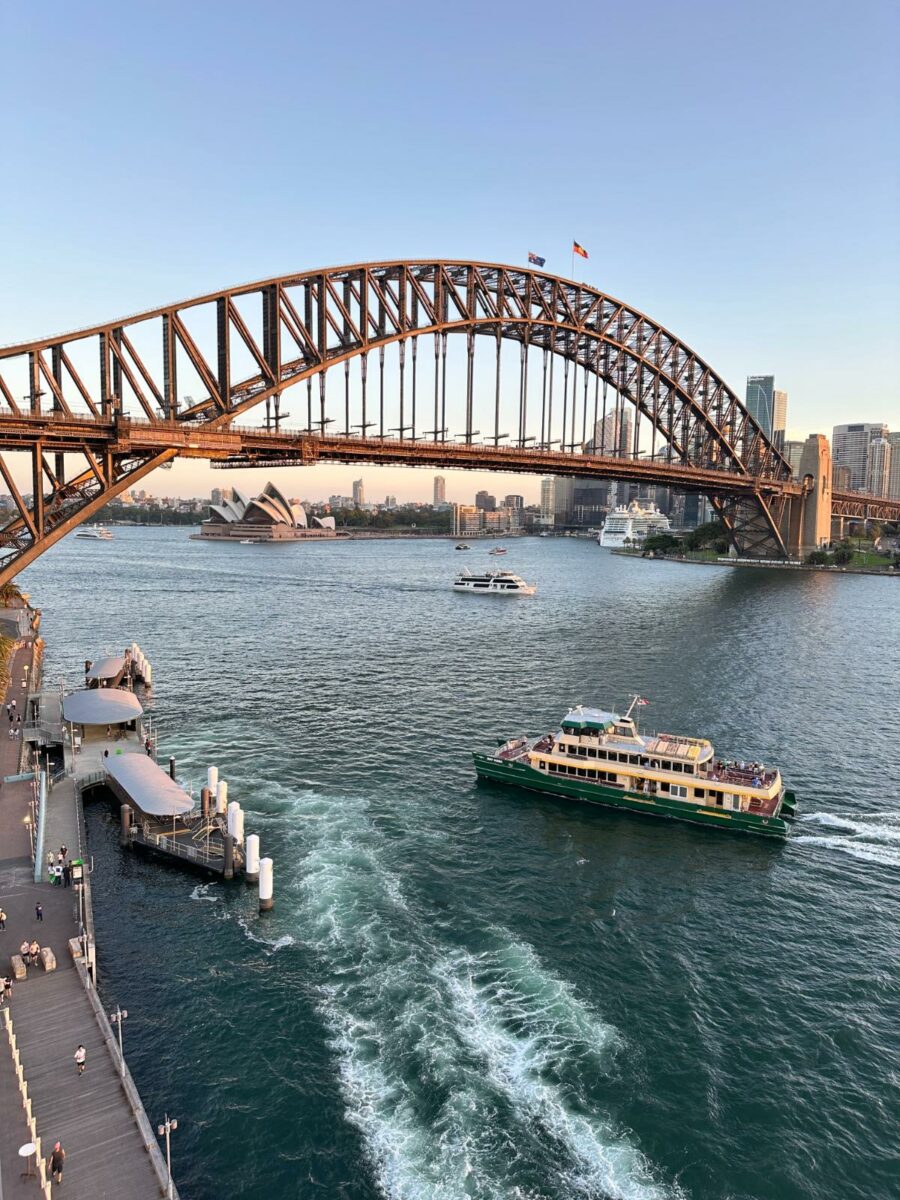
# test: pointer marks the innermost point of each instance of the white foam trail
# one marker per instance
(200, 893)
(530, 1031)
(274, 944)
(462, 1071)
(857, 848)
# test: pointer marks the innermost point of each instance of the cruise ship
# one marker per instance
(632, 522)
(600, 757)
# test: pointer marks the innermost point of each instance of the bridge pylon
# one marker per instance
(807, 519)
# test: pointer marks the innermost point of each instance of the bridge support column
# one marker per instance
(807, 522)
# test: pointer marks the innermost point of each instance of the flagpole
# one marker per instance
(572, 276)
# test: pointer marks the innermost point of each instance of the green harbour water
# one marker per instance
(471, 991)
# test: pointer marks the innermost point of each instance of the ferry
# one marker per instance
(493, 583)
(600, 757)
(95, 533)
(632, 522)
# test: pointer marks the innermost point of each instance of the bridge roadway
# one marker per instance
(111, 1150)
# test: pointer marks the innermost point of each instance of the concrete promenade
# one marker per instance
(111, 1150)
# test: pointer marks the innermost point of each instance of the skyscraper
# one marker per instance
(793, 451)
(359, 493)
(440, 490)
(878, 468)
(612, 435)
(761, 402)
(513, 501)
(485, 501)
(850, 448)
(894, 479)
(547, 501)
(779, 418)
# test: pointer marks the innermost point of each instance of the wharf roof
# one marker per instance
(148, 786)
(101, 706)
(107, 668)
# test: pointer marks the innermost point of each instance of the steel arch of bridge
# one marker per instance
(308, 324)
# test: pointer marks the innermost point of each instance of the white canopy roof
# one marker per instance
(107, 668)
(101, 706)
(148, 786)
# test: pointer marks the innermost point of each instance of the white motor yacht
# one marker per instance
(493, 583)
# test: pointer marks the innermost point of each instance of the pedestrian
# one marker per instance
(7, 987)
(57, 1158)
(39, 911)
(13, 702)
(2, 919)
(67, 875)
(64, 851)
(108, 732)
(34, 952)
(24, 950)
(58, 872)
(50, 862)
(80, 1057)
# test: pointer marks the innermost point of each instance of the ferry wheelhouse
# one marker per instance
(602, 758)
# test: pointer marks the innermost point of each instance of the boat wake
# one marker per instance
(872, 837)
(468, 1072)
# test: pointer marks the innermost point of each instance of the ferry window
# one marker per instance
(633, 759)
(699, 793)
(664, 787)
(677, 790)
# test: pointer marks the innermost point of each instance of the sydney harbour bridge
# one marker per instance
(434, 363)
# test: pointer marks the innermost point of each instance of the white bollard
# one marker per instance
(148, 675)
(251, 858)
(221, 790)
(266, 885)
(230, 820)
(212, 778)
(238, 831)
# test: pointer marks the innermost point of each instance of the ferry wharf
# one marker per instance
(98, 1117)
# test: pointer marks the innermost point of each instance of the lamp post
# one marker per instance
(117, 1018)
(167, 1129)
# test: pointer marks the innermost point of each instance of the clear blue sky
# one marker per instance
(731, 168)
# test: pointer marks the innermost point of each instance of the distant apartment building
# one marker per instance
(840, 478)
(612, 434)
(850, 448)
(513, 501)
(878, 467)
(760, 401)
(894, 478)
(793, 451)
(390, 502)
(485, 501)
(359, 493)
(779, 417)
(440, 491)
(547, 490)
(469, 518)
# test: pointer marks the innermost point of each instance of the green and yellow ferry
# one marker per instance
(602, 758)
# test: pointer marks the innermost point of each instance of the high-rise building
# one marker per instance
(894, 479)
(513, 501)
(878, 468)
(359, 493)
(469, 518)
(779, 417)
(390, 502)
(792, 452)
(563, 499)
(218, 495)
(761, 402)
(840, 478)
(547, 501)
(850, 448)
(612, 434)
(440, 490)
(485, 501)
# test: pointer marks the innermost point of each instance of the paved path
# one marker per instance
(106, 1154)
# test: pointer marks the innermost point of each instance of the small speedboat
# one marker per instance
(462, 546)
(497, 550)
(96, 533)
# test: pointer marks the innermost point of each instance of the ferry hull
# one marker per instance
(517, 774)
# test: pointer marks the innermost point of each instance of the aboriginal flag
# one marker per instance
(536, 259)
(580, 250)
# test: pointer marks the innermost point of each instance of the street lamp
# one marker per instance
(167, 1129)
(117, 1018)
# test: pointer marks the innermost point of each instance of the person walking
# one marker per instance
(67, 875)
(57, 1158)
(39, 911)
(80, 1058)
(2, 919)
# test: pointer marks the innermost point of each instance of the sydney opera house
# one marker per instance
(267, 518)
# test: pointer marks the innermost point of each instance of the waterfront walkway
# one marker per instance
(111, 1150)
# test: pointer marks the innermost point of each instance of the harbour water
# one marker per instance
(471, 992)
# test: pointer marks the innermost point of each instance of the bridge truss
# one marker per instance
(558, 365)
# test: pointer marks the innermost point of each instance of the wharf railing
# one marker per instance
(30, 1119)
(171, 845)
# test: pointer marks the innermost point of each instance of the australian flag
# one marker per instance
(536, 259)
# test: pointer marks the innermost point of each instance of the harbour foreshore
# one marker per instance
(98, 1117)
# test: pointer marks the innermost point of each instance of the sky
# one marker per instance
(732, 169)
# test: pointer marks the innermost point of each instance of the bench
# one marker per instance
(17, 963)
(75, 947)
(48, 959)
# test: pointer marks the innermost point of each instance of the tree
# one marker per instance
(661, 543)
(817, 558)
(843, 555)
